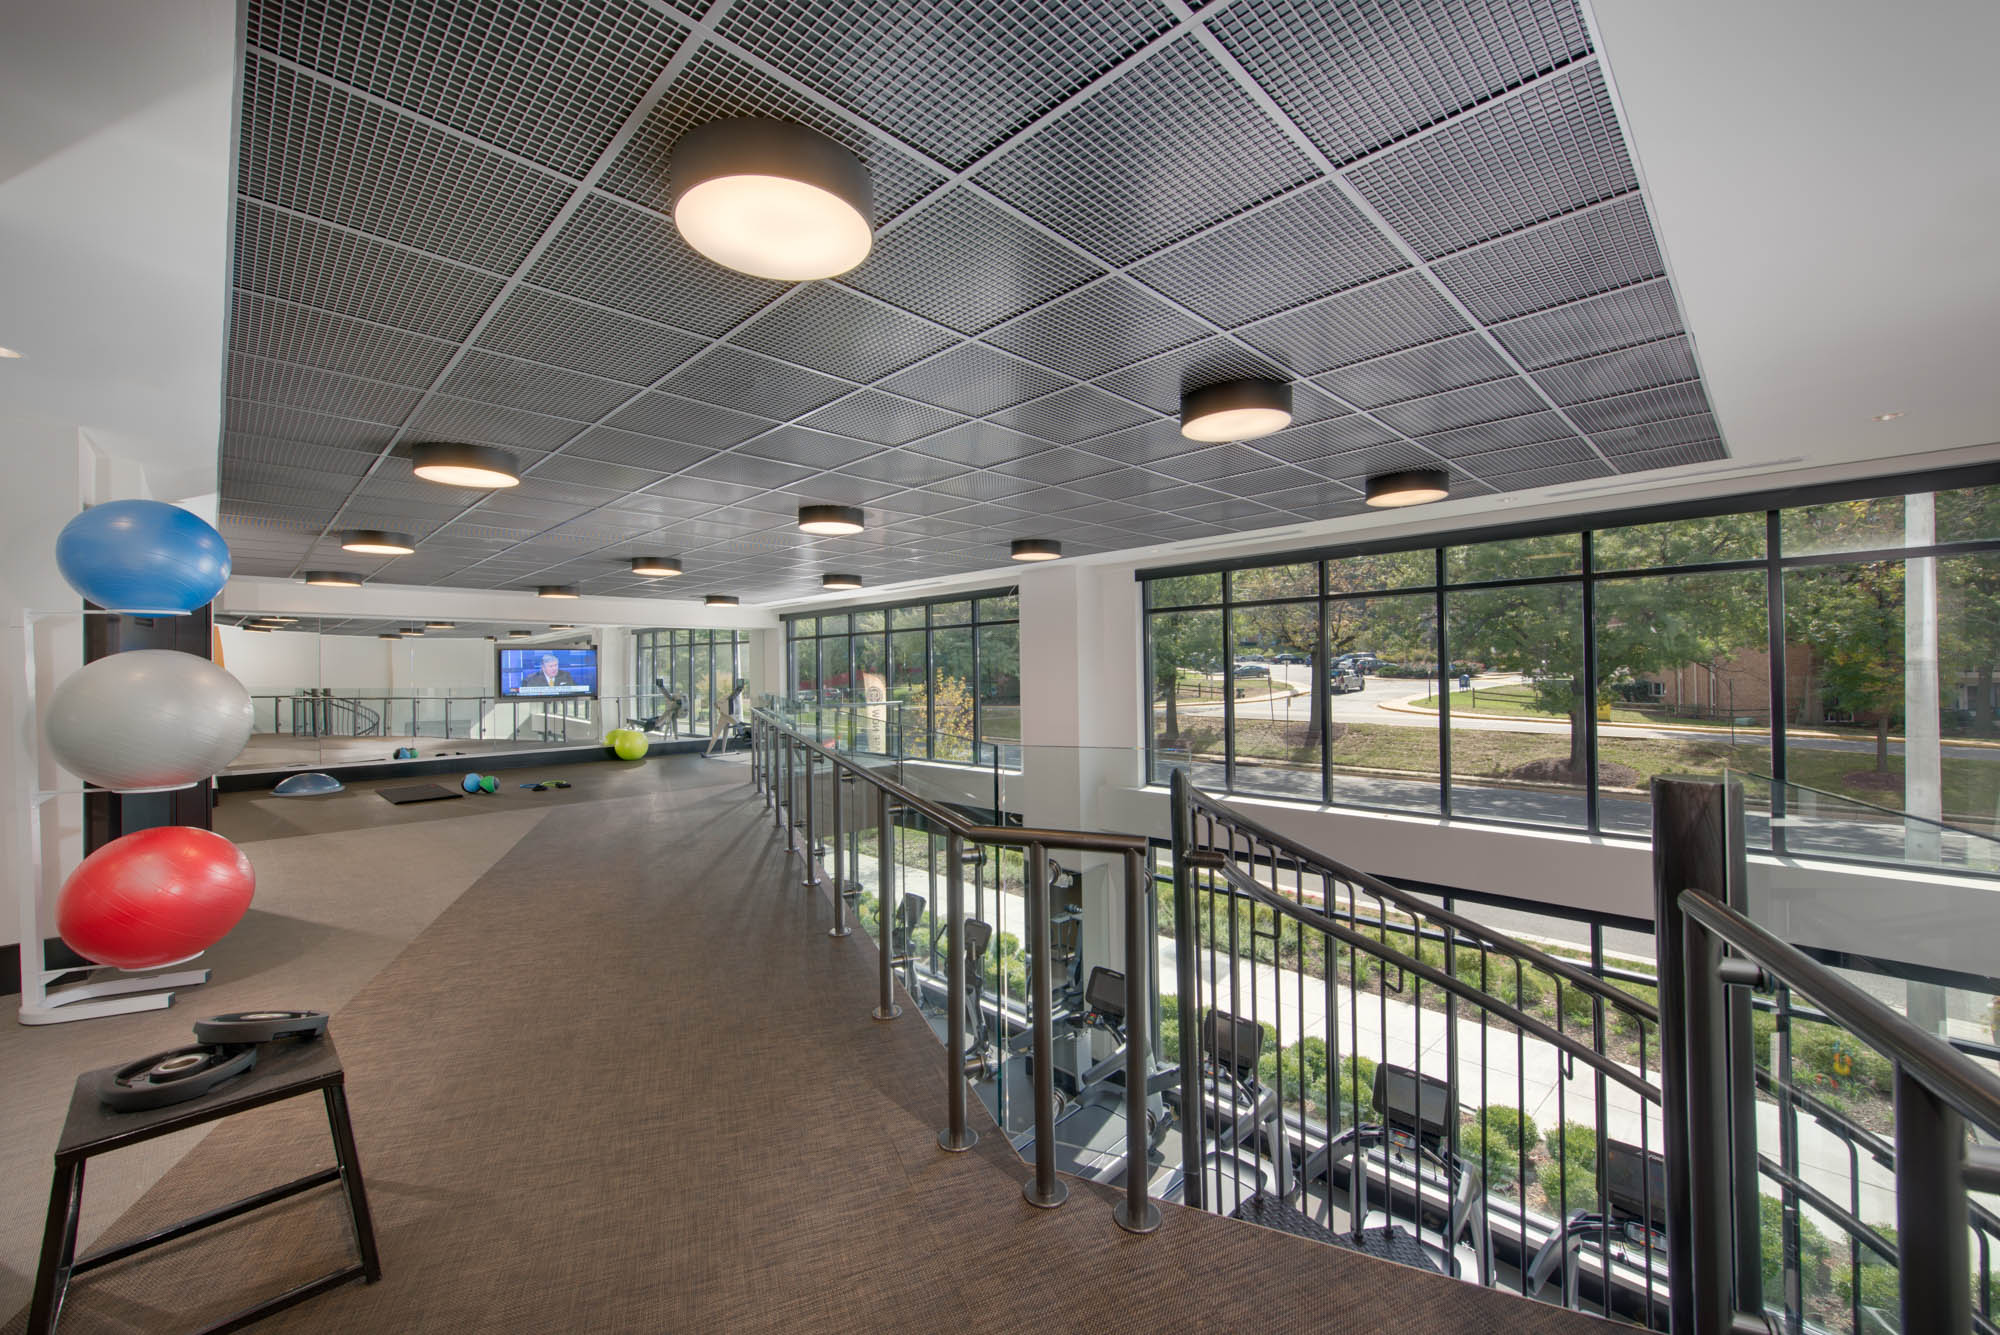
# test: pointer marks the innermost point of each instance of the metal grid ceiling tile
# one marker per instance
(966, 263)
(954, 77)
(1355, 77)
(1097, 329)
(1094, 173)
(1550, 149)
(310, 147)
(716, 86)
(1433, 368)
(675, 418)
(1648, 405)
(1648, 366)
(270, 381)
(905, 468)
(831, 489)
(1262, 483)
(1304, 246)
(445, 418)
(982, 485)
(735, 378)
(263, 421)
(1159, 381)
(1214, 461)
(285, 332)
(1673, 456)
(1072, 415)
(979, 444)
(1522, 457)
(1549, 477)
(1463, 407)
(544, 327)
(973, 379)
(1638, 314)
(491, 378)
(316, 265)
(882, 418)
(813, 449)
(747, 470)
(1559, 262)
(551, 82)
(1145, 443)
(1528, 429)
(1125, 484)
(629, 260)
(242, 454)
(1384, 317)
(834, 330)
(1657, 435)
(1060, 465)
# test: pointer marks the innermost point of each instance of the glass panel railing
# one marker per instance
(1800, 821)
(315, 727)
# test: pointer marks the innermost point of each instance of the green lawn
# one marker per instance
(1518, 701)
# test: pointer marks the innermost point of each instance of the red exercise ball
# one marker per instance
(154, 896)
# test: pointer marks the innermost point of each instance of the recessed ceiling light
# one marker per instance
(556, 591)
(519, 634)
(840, 581)
(1037, 549)
(831, 520)
(721, 600)
(377, 542)
(561, 625)
(656, 567)
(390, 635)
(1409, 486)
(440, 625)
(1887, 417)
(1236, 410)
(261, 630)
(772, 200)
(8, 354)
(459, 465)
(271, 617)
(333, 579)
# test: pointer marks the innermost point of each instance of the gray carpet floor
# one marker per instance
(627, 1083)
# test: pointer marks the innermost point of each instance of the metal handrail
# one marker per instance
(1937, 1091)
(1377, 888)
(1870, 806)
(1136, 1213)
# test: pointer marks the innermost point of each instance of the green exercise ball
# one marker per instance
(489, 784)
(630, 745)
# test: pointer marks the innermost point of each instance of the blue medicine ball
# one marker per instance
(143, 556)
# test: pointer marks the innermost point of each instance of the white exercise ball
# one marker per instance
(147, 719)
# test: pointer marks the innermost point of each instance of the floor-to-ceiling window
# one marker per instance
(949, 668)
(1837, 650)
(693, 670)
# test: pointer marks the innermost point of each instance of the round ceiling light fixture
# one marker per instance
(1408, 486)
(1887, 417)
(440, 625)
(453, 464)
(1236, 410)
(260, 629)
(390, 635)
(771, 200)
(377, 542)
(333, 579)
(1037, 549)
(840, 581)
(556, 591)
(519, 634)
(412, 632)
(721, 600)
(834, 521)
(656, 567)
(561, 625)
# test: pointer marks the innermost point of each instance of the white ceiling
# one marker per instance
(1824, 181)
(114, 225)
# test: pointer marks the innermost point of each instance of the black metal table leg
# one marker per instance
(58, 1247)
(350, 1176)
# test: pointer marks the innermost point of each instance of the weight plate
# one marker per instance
(167, 1078)
(260, 1026)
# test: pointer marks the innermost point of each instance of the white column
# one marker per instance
(1922, 752)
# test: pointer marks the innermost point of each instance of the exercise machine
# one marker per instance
(1250, 1154)
(1444, 1194)
(1627, 1237)
(671, 708)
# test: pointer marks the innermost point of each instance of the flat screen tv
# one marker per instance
(542, 674)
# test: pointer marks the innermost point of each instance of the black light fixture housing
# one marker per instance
(831, 520)
(840, 581)
(440, 625)
(1236, 410)
(721, 600)
(1408, 486)
(519, 634)
(1037, 549)
(656, 567)
(390, 635)
(377, 542)
(455, 464)
(333, 579)
(556, 591)
(771, 199)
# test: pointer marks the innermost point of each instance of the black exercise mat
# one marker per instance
(418, 792)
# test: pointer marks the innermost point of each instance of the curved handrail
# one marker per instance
(1382, 890)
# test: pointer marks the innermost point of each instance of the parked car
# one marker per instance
(1289, 658)
(1341, 680)
(1361, 660)
(1252, 670)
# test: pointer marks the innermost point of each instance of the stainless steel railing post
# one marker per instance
(812, 840)
(1136, 1213)
(1044, 1189)
(787, 809)
(956, 1136)
(837, 782)
(885, 916)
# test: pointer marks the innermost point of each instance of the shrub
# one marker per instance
(1814, 1250)
(1878, 1277)
(1839, 1059)
(1573, 1188)
(1513, 1126)
(1499, 1161)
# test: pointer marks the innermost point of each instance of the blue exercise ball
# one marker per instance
(143, 556)
(471, 783)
